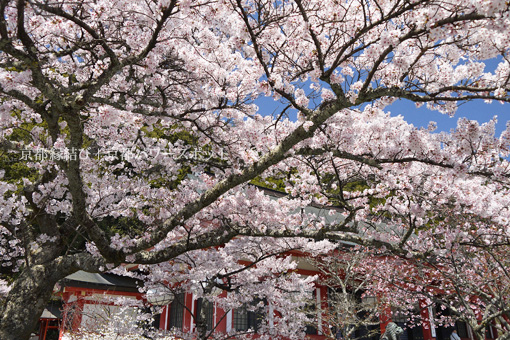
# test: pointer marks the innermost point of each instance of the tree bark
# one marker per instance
(24, 304)
(478, 333)
(201, 321)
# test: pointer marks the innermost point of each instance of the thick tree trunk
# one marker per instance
(25, 302)
(202, 320)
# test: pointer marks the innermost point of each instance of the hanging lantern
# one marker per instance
(159, 296)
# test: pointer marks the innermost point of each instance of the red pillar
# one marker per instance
(220, 314)
(385, 318)
(188, 318)
(163, 320)
(426, 323)
(43, 329)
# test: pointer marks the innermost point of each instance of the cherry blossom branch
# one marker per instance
(394, 13)
(73, 18)
(320, 55)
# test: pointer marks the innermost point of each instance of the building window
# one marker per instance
(311, 312)
(177, 311)
(245, 319)
(488, 333)
(462, 330)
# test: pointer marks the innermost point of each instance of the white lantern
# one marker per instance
(159, 296)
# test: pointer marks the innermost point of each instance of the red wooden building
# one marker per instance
(84, 294)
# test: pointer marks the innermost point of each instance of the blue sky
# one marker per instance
(474, 110)
(420, 117)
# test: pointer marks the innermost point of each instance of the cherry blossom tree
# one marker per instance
(351, 311)
(243, 275)
(466, 279)
(130, 129)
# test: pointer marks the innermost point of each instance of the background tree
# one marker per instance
(351, 311)
(465, 280)
(243, 277)
(86, 84)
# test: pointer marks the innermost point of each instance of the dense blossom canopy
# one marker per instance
(129, 132)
